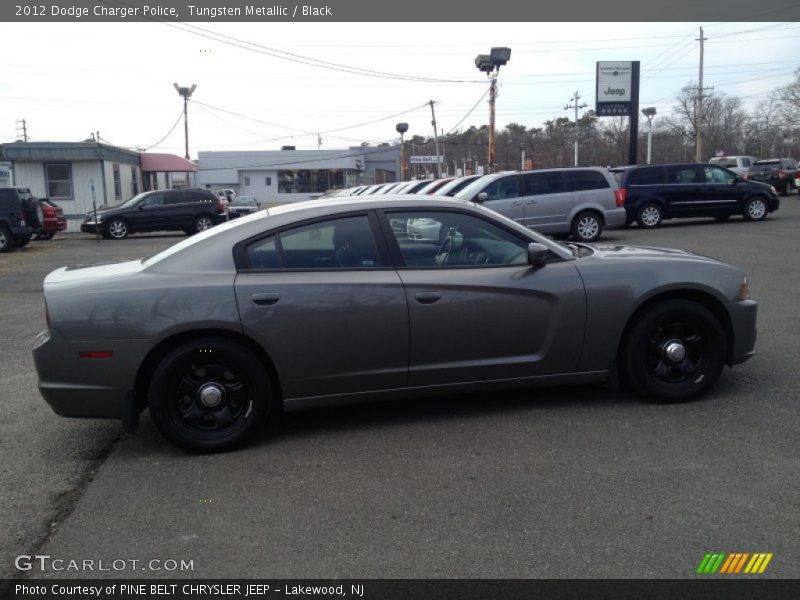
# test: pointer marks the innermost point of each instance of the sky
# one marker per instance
(70, 79)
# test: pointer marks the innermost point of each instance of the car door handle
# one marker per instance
(428, 297)
(516, 203)
(265, 299)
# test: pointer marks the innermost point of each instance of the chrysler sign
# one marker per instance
(617, 86)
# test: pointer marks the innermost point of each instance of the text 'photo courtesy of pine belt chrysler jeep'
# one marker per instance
(576, 201)
(654, 193)
(190, 211)
(319, 303)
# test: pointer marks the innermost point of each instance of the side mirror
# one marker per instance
(537, 254)
(482, 197)
(140, 207)
(736, 180)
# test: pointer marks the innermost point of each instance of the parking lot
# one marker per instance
(566, 482)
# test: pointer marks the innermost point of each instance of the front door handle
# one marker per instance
(428, 297)
(265, 299)
(517, 203)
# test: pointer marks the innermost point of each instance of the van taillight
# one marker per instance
(620, 195)
(781, 173)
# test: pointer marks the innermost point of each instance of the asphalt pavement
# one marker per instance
(561, 482)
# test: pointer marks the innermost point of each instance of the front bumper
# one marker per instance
(91, 227)
(85, 387)
(773, 203)
(743, 327)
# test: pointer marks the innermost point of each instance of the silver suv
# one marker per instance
(580, 201)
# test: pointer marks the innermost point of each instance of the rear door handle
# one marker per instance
(428, 297)
(265, 299)
(516, 203)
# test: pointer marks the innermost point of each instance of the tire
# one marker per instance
(116, 229)
(6, 241)
(202, 223)
(677, 327)
(649, 216)
(230, 375)
(587, 226)
(755, 209)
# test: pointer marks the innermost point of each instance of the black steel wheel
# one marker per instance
(674, 351)
(209, 395)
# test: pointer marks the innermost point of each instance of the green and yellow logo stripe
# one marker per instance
(734, 563)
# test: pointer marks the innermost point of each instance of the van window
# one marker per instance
(586, 180)
(683, 174)
(724, 161)
(647, 176)
(507, 187)
(537, 184)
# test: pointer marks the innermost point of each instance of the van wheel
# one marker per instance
(649, 216)
(5, 239)
(755, 209)
(587, 226)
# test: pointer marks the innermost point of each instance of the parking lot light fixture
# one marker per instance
(490, 64)
(401, 128)
(650, 113)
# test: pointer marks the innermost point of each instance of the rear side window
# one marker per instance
(537, 184)
(586, 180)
(345, 243)
(746, 162)
(177, 197)
(683, 174)
(647, 176)
(767, 162)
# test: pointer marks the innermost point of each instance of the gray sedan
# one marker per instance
(315, 303)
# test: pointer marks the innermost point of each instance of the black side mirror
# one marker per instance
(736, 180)
(537, 254)
(141, 207)
(482, 197)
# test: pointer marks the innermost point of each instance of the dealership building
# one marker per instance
(289, 175)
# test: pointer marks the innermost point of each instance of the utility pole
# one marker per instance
(698, 113)
(522, 151)
(576, 106)
(437, 168)
(444, 160)
(186, 93)
(24, 128)
(492, 141)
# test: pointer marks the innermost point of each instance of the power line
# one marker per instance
(171, 129)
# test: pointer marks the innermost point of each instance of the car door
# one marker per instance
(478, 311)
(722, 195)
(178, 209)
(503, 196)
(547, 201)
(322, 299)
(148, 215)
(685, 192)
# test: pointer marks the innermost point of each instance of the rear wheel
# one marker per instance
(209, 395)
(587, 226)
(674, 351)
(6, 241)
(649, 216)
(202, 223)
(755, 209)
(117, 229)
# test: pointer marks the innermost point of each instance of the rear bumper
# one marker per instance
(85, 387)
(616, 217)
(54, 225)
(743, 324)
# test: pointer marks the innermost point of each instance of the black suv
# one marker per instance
(653, 193)
(778, 172)
(191, 211)
(20, 217)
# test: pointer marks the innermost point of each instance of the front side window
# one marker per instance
(345, 243)
(157, 199)
(452, 239)
(716, 175)
(502, 189)
(682, 174)
(59, 180)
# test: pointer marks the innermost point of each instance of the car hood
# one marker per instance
(77, 273)
(645, 252)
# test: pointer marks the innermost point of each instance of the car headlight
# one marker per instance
(774, 191)
(744, 290)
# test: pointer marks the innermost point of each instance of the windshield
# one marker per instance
(133, 201)
(448, 189)
(469, 192)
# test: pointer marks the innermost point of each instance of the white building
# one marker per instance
(288, 175)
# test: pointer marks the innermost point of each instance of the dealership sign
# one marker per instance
(617, 88)
(425, 160)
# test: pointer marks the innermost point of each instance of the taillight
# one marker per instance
(781, 173)
(96, 354)
(49, 211)
(46, 314)
(221, 206)
(620, 195)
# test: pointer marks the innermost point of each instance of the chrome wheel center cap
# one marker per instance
(210, 395)
(674, 351)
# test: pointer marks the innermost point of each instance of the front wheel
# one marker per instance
(209, 395)
(587, 227)
(6, 241)
(117, 229)
(674, 351)
(755, 209)
(650, 216)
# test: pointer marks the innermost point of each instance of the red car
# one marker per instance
(53, 219)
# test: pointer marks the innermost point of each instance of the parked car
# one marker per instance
(414, 187)
(738, 164)
(53, 220)
(190, 211)
(20, 216)
(455, 186)
(434, 185)
(653, 193)
(199, 331)
(577, 201)
(241, 206)
(777, 172)
(226, 193)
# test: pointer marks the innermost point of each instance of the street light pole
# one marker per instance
(186, 93)
(490, 64)
(401, 128)
(492, 140)
(649, 112)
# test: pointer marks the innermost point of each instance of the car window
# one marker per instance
(725, 161)
(549, 182)
(154, 200)
(716, 175)
(345, 243)
(452, 239)
(586, 180)
(767, 162)
(682, 174)
(502, 189)
(745, 162)
(647, 176)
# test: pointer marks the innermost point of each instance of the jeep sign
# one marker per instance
(615, 84)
